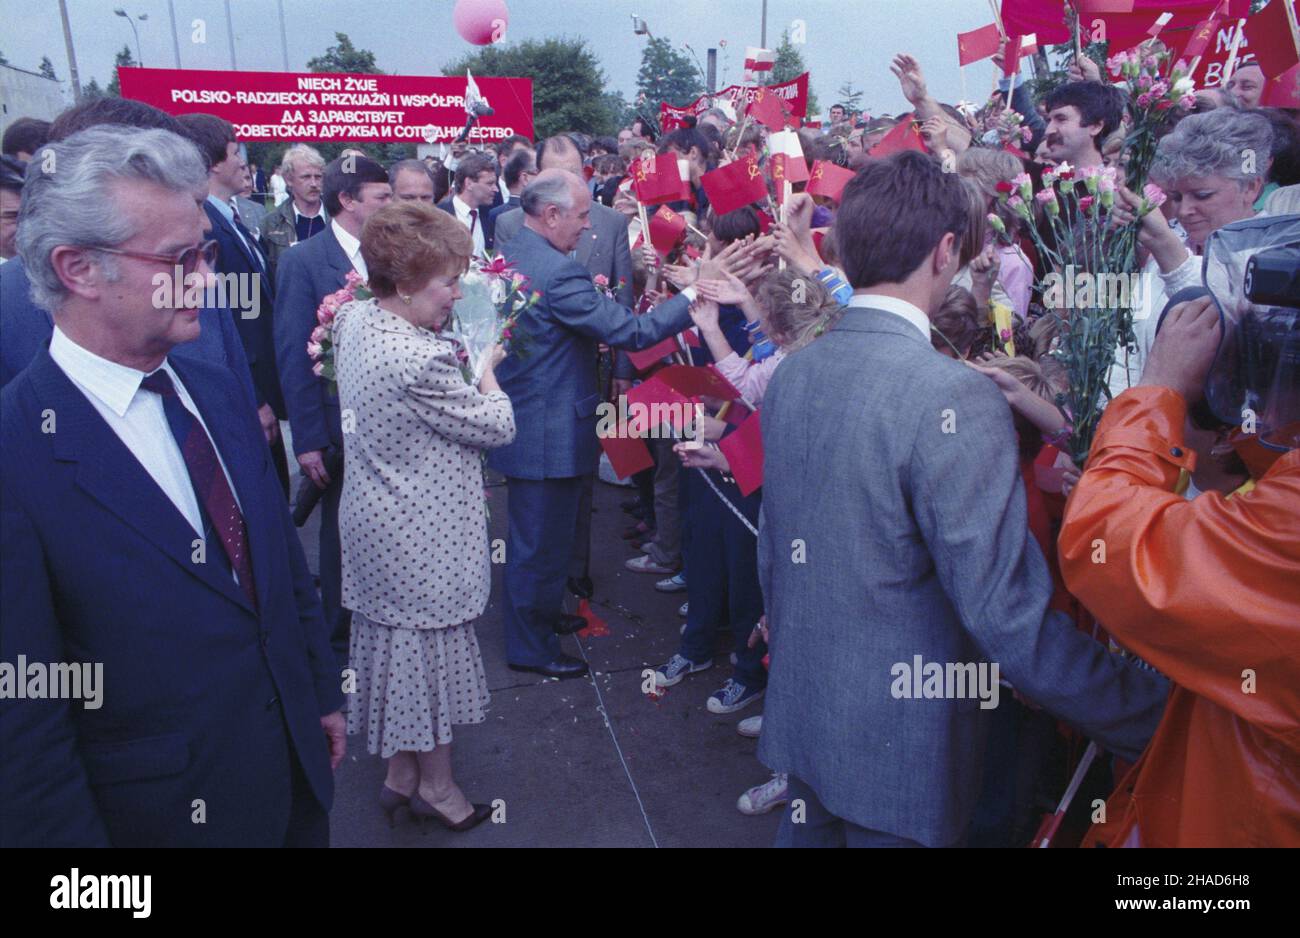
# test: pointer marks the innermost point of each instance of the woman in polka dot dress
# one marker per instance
(412, 518)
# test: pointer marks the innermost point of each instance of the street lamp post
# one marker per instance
(142, 17)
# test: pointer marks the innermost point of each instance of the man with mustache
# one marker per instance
(1080, 116)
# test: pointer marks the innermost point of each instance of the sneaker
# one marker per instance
(646, 564)
(674, 584)
(750, 726)
(733, 696)
(763, 798)
(684, 610)
(677, 668)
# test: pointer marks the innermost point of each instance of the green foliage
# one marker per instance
(849, 97)
(568, 83)
(124, 60)
(92, 90)
(46, 68)
(345, 57)
(789, 65)
(666, 75)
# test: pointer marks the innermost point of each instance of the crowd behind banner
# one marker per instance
(896, 463)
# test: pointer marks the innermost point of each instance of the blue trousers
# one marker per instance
(817, 827)
(543, 517)
(337, 619)
(722, 557)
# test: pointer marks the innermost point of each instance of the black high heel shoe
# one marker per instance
(390, 801)
(423, 810)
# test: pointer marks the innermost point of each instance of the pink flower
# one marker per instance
(1144, 99)
(1005, 335)
(319, 334)
(1144, 82)
(352, 279)
(1045, 195)
(1187, 102)
(600, 280)
(314, 349)
(499, 266)
(1150, 62)
(325, 315)
(317, 368)
(1160, 89)
(1086, 203)
(1153, 195)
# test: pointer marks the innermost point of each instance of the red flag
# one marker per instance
(769, 109)
(904, 136)
(596, 627)
(744, 452)
(1284, 90)
(627, 454)
(1123, 30)
(1104, 6)
(1011, 56)
(828, 179)
(645, 404)
(666, 229)
(659, 182)
(1268, 36)
(734, 186)
(787, 159)
(1201, 36)
(978, 44)
(697, 381)
(1161, 22)
(759, 60)
(646, 358)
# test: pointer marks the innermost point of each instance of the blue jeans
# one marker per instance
(723, 589)
(819, 828)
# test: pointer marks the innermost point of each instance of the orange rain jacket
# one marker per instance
(1208, 592)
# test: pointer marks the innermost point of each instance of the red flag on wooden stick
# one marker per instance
(627, 454)
(666, 229)
(660, 181)
(734, 186)
(978, 44)
(744, 452)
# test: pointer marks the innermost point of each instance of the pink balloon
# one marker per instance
(481, 22)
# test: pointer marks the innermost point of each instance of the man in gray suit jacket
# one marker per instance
(604, 250)
(894, 553)
(553, 390)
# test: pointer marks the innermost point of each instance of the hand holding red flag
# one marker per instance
(666, 229)
(744, 452)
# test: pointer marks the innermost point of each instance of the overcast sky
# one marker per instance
(847, 40)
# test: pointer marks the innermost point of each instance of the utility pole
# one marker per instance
(72, 55)
(763, 40)
(712, 76)
(230, 31)
(176, 43)
(284, 39)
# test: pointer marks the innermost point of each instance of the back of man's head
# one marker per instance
(909, 196)
(348, 174)
(111, 111)
(559, 152)
(211, 134)
(520, 162)
(25, 135)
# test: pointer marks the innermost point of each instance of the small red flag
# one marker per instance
(1011, 56)
(1284, 90)
(666, 229)
(660, 181)
(769, 109)
(646, 404)
(734, 186)
(904, 136)
(1201, 37)
(646, 358)
(828, 179)
(744, 452)
(697, 381)
(627, 454)
(978, 44)
(596, 627)
(787, 161)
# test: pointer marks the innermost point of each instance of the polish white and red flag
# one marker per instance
(759, 60)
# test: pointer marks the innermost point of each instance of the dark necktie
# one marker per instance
(208, 479)
(251, 243)
(473, 220)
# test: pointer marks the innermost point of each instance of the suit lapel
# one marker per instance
(109, 473)
(231, 235)
(335, 255)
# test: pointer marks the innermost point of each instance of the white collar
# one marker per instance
(892, 304)
(462, 208)
(349, 244)
(114, 384)
(320, 211)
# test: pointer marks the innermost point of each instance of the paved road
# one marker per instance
(584, 763)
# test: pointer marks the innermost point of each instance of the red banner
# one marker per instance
(794, 91)
(325, 107)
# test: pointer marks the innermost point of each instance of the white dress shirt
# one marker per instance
(892, 304)
(503, 188)
(352, 248)
(475, 225)
(138, 419)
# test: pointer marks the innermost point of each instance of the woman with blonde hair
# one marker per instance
(1013, 275)
(413, 523)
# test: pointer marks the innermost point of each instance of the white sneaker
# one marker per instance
(750, 726)
(763, 798)
(684, 609)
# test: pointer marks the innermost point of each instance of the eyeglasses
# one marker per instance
(187, 260)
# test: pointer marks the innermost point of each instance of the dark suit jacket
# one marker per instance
(307, 273)
(485, 218)
(602, 250)
(202, 698)
(499, 210)
(553, 385)
(25, 329)
(253, 320)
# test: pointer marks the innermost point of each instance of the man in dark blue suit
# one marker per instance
(354, 189)
(519, 171)
(190, 697)
(553, 390)
(474, 190)
(243, 274)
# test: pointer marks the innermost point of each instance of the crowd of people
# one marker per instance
(918, 500)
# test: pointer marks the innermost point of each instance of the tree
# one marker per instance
(345, 57)
(91, 91)
(788, 66)
(46, 69)
(124, 60)
(666, 75)
(568, 83)
(850, 98)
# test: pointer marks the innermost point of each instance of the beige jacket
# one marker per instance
(412, 518)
